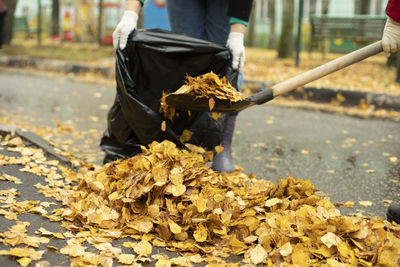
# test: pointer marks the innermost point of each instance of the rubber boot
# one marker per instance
(393, 213)
(223, 161)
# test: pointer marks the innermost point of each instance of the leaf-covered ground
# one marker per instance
(169, 198)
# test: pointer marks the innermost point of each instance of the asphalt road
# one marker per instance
(347, 158)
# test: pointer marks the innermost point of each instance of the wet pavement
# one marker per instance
(348, 158)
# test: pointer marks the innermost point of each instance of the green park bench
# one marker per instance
(361, 29)
(21, 25)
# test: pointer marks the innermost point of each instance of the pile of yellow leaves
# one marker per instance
(171, 198)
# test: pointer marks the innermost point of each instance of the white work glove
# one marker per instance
(391, 36)
(235, 43)
(127, 24)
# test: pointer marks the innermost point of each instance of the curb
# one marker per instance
(319, 95)
(342, 97)
(56, 65)
(35, 140)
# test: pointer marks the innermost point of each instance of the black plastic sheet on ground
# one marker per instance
(156, 61)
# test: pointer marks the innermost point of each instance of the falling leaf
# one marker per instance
(186, 136)
(219, 149)
(211, 103)
(216, 115)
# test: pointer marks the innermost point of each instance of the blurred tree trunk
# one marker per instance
(394, 61)
(251, 35)
(77, 5)
(271, 16)
(8, 25)
(325, 6)
(285, 47)
(362, 7)
(55, 18)
(398, 67)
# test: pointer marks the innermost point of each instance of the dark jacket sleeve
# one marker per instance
(240, 9)
(393, 9)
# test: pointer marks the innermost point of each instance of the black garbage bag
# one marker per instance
(156, 61)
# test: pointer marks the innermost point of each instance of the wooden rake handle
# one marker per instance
(327, 68)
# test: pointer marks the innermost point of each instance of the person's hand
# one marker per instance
(235, 43)
(127, 24)
(391, 36)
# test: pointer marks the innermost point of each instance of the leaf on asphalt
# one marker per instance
(6, 177)
(365, 203)
(127, 259)
(143, 248)
(24, 253)
(304, 152)
(24, 261)
(73, 250)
